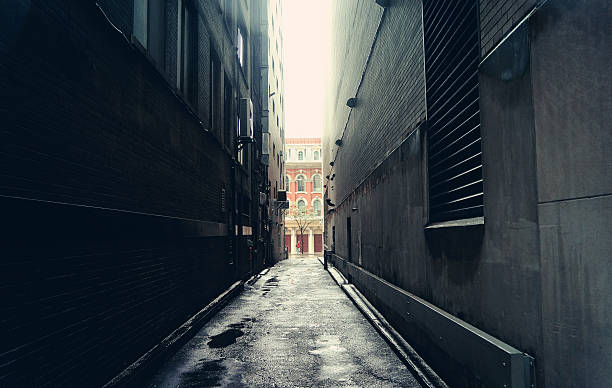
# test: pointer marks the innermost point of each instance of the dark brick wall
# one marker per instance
(121, 13)
(85, 291)
(203, 73)
(171, 40)
(498, 17)
(390, 100)
(347, 64)
(109, 185)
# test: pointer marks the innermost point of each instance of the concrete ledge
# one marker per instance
(424, 374)
(419, 368)
(337, 276)
(445, 341)
(256, 277)
(135, 374)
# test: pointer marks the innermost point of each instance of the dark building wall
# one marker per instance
(534, 274)
(373, 128)
(572, 94)
(116, 197)
(356, 39)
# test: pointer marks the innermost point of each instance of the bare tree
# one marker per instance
(304, 218)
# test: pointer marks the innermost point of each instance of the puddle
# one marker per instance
(224, 339)
(205, 374)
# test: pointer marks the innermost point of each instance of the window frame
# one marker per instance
(320, 188)
(300, 178)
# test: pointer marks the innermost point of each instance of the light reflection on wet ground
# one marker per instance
(294, 327)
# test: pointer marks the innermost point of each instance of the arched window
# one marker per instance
(301, 186)
(287, 181)
(300, 155)
(316, 155)
(301, 205)
(316, 205)
(316, 183)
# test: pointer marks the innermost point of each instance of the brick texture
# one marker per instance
(498, 17)
(107, 177)
(390, 101)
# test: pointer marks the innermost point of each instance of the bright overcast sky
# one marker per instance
(306, 47)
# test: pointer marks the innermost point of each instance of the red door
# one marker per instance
(318, 243)
(288, 243)
(303, 243)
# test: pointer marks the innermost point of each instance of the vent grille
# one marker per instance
(453, 134)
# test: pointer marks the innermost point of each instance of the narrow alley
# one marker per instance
(172, 173)
(293, 327)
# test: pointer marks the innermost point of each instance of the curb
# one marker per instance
(426, 376)
(255, 278)
(137, 372)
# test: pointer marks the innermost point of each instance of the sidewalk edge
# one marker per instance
(137, 371)
(422, 372)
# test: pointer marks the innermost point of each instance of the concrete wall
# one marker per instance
(535, 275)
(572, 92)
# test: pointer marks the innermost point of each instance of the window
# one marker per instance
(187, 57)
(215, 91)
(287, 183)
(301, 186)
(228, 98)
(150, 28)
(316, 155)
(316, 183)
(140, 21)
(301, 205)
(451, 44)
(316, 206)
(240, 46)
(300, 155)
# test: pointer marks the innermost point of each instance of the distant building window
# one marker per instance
(316, 183)
(301, 205)
(316, 206)
(287, 183)
(300, 155)
(301, 186)
(316, 155)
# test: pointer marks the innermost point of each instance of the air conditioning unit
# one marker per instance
(246, 117)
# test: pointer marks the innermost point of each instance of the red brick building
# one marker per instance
(304, 185)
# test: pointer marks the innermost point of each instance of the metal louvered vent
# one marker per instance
(453, 134)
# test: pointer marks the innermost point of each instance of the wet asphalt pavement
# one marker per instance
(294, 327)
